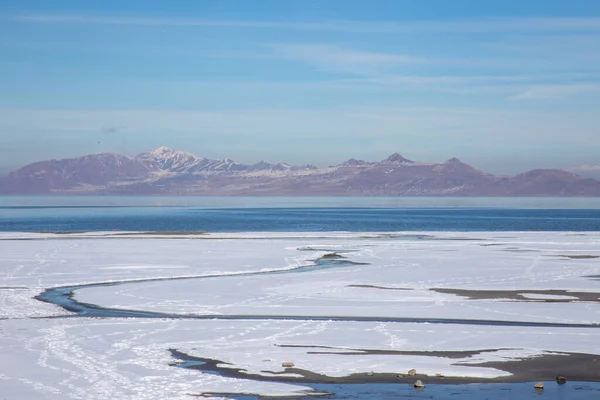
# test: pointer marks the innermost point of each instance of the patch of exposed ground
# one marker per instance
(343, 351)
(520, 295)
(561, 296)
(579, 256)
(331, 256)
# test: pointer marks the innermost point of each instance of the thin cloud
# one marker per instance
(557, 92)
(345, 60)
(500, 25)
(474, 79)
(141, 21)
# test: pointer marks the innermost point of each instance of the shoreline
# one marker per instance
(577, 367)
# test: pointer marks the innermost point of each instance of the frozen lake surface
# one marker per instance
(464, 305)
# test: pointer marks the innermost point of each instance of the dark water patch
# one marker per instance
(348, 351)
(490, 391)
(71, 207)
(580, 256)
(298, 219)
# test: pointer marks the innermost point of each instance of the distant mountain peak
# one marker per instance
(162, 150)
(167, 159)
(453, 160)
(396, 159)
(354, 161)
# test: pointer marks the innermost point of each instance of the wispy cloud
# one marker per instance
(557, 91)
(143, 21)
(486, 79)
(337, 58)
(501, 25)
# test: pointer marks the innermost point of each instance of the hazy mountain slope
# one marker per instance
(165, 171)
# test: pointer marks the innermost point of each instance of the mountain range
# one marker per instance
(168, 172)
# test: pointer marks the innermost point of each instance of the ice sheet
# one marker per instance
(96, 359)
(29, 266)
(128, 358)
(378, 288)
(99, 359)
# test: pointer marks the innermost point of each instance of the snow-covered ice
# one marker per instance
(393, 275)
(108, 359)
(367, 289)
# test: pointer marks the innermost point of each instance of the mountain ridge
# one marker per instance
(169, 172)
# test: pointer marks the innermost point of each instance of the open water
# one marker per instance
(308, 214)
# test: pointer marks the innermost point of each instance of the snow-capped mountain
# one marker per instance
(166, 171)
(166, 159)
(396, 159)
(353, 162)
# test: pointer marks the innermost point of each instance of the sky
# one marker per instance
(505, 86)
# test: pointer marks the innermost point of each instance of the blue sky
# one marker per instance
(504, 85)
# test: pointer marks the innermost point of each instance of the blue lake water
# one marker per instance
(234, 214)
(518, 391)
(491, 391)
